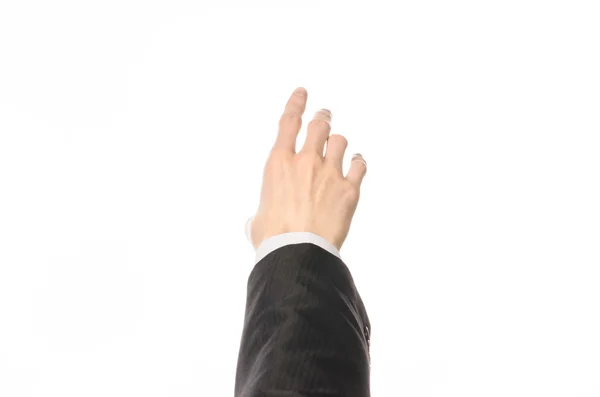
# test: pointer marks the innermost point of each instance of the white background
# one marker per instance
(133, 135)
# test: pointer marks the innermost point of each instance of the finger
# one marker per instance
(318, 132)
(249, 229)
(291, 120)
(358, 170)
(336, 146)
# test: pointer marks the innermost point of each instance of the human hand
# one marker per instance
(306, 191)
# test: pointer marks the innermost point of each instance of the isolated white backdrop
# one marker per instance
(133, 135)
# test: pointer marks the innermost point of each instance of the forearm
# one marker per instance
(305, 330)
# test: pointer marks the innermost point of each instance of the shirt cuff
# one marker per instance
(272, 243)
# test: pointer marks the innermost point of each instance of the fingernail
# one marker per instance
(359, 157)
(323, 114)
(301, 91)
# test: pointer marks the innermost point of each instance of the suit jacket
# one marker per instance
(306, 330)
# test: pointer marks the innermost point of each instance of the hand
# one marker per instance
(306, 191)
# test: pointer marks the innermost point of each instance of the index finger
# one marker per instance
(291, 120)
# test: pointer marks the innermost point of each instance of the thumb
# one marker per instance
(249, 229)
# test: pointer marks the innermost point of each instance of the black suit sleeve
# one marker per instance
(306, 330)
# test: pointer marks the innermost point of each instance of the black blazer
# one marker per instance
(306, 330)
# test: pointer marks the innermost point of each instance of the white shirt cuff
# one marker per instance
(272, 243)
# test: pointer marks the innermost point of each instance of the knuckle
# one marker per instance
(320, 123)
(309, 160)
(277, 156)
(308, 156)
(352, 193)
(339, 140)
(290, 118)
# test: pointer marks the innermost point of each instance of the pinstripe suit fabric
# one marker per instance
(306, 330)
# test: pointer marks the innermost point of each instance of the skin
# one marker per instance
(307, 191)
